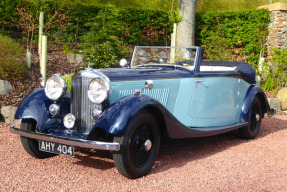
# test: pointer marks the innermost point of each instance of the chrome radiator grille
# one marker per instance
(81, 106)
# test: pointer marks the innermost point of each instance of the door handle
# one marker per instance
(198, 81)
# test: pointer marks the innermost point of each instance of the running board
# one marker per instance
(228, 128)
(182, 132)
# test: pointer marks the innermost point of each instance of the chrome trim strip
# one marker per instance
(72, 142)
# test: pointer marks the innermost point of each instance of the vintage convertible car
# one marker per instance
(165, 91)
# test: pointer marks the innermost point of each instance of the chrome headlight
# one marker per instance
(55, 87)
(98, 90)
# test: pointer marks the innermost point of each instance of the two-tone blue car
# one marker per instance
(165, 91)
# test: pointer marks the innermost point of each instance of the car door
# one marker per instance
(215, 101)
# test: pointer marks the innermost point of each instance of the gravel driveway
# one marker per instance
(218, 163)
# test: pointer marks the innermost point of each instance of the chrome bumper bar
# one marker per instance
(66, 141)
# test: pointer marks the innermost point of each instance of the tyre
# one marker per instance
(139, 146)
(31, 146)
(255, 116)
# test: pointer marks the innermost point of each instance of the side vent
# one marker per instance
(159, 94)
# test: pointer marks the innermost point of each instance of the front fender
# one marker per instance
(36, 106)
(251, 94)
(115, 119)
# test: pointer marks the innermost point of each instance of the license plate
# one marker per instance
(57, 148)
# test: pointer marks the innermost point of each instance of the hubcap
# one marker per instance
(257, 117)
(147, 145)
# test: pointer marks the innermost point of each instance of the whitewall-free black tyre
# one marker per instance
(139, 146)
(255, 115)
(31, 146)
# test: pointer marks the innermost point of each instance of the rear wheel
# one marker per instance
(139, 146)
(255, 116)
(31, 146)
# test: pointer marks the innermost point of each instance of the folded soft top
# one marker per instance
(246, 71)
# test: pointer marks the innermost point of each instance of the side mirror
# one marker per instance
(123, 62)
(149, 84)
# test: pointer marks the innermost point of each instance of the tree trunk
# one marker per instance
(186, 28)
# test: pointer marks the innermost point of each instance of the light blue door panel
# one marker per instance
(185, 92)
(216, 101)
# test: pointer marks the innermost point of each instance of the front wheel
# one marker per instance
(255, 115)
(31, 146)
(139, 146)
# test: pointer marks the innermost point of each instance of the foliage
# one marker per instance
(69, 20)
(7, 11)
(28, 18)
(101, 44)
(12, 64)
(277, 75)
(137, 26)
(269, 84)
(104, 31)
(147, 27)
(231, 5)
(232, 36)
(163, 5)
(68, 80)
(27, 23)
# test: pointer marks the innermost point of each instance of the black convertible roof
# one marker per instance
(246, 71)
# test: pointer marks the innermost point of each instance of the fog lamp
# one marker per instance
(69, 121)
(54, 109)
(97, 112)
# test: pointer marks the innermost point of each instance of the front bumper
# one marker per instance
(67, 141)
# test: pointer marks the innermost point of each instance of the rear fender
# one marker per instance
(36, 106)
(254, 91)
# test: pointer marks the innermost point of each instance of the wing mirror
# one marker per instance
(147, 85)
(123, 62)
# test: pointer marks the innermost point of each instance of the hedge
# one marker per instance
(230, 36)
(141, 27)
(233, 36)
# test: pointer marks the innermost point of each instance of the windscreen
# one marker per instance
(145, 56)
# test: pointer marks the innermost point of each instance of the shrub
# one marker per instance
(12, 63)
(277, 75)
(68, 80)
(101, 44)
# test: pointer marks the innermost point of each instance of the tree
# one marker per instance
(186, 28)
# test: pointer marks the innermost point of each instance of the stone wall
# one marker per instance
(277, 37)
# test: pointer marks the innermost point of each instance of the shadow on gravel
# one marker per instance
(176, 153)
(272, 125)
(94, 159)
